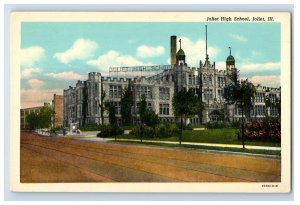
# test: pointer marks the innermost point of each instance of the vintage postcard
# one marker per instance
(150, 102)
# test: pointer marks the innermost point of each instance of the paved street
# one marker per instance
(61, 159)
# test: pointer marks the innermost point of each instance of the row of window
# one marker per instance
(207, 80)
(260, 97)
(258, 110)
(193, 80)
(164, 109)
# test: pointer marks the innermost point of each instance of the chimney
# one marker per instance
(173, 50)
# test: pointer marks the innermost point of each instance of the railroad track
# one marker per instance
(111, 161)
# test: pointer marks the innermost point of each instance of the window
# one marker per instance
(272, 98)
(73, 96)
(117, 107)
(260, 110)
(238, 110)
(73, 112)
(221, 81)
(204, 81)
(210, 80)
(197, 80)
(149, 106)
(144, 91)
(164, 109)
(95, 107)
(138, 105)
(194, 77)
(190, 79)
(208, 94)
(220, 94)
(95, 89)
(260, 97)
(164, 93)
(207, 80)
(79, 113)
(115, 91)
(273, 111)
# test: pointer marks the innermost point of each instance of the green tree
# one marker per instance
(241, 93)
(111, 108)
(32, 121)
(142, 113)
(268, 104)
(185, 104)
(102, 109)
(278, 105)
(41, 119)
(45, 117)
(84, 103)
(126, 106)
(151, 118)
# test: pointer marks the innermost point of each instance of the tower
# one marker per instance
(173, 41)
(230, 62)
(180, 56)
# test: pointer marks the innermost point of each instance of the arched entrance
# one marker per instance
(216, 115)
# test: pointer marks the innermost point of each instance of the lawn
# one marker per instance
(221, 136)
(199, 147)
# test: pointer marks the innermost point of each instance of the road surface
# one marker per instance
(61, 159)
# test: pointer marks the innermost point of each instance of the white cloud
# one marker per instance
(70, 75)
(37, 97)
(144, 51)
(36, 94)
(239, 38)
(81, 49)
(36, 83)
(270, 81)
(252, 67)
(195, 51)
(31, 55)
(29, 72)
(114, 59)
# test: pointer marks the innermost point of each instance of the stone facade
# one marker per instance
(158, 96)
(206, 80)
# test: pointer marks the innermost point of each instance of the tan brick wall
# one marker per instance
(58, 107)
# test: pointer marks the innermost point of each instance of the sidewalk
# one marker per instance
(197, 143)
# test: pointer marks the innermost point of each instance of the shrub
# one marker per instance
(221, 125)
(267, 130)
(235, 124)
(109, 131)
(184, 126)
(162, 131)
(93, 127)
(167, 130)
(218, 125)
(148, 132)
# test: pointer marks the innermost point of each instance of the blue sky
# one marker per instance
(56, 55)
